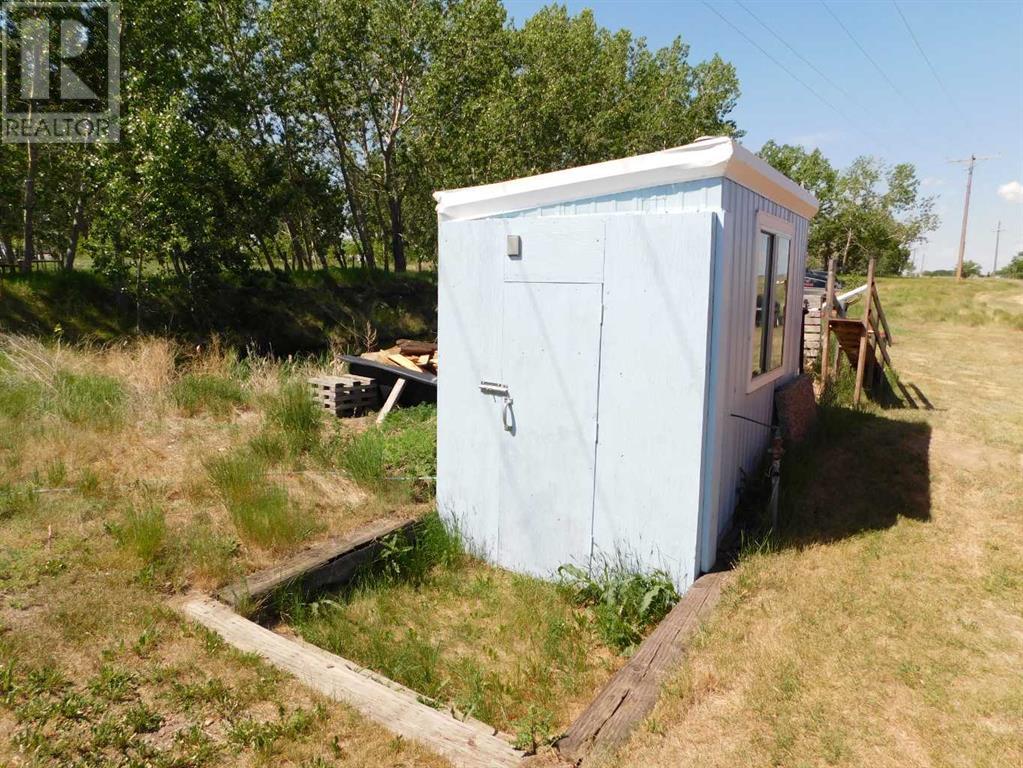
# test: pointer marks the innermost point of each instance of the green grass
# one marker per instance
(142, 531)
(513, 651)
(205, 393)
(260, 509)
(404, 446)
(293, 415)
(92, 399)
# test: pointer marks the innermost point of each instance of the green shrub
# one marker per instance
(624, 601)
(410, 557)
(294, 413)
(88, 399)
(204, 393)
(143, 531)
(259, 509)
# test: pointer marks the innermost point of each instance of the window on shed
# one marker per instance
(771, 275)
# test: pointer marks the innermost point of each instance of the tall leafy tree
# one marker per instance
(869, 210)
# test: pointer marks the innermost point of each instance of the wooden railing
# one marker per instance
(876, 332)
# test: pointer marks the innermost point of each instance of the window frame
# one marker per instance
(778, 227)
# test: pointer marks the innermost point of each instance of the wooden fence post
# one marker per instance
(829, 300)
(861, 362)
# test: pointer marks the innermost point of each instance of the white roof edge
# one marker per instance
(706, 158)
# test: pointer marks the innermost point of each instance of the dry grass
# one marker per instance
(885, 628)
(107, 509)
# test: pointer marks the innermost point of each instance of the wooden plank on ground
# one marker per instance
(467, 744)
(628, 697)
(332, 562)
(392, 398)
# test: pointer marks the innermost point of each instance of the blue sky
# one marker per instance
(903, 115)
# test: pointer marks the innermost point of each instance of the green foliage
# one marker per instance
(534, 730)
(1014, 268)
(868, 210)
(142, 531)
(404, 446)
(625, 601)
(205, 393)
(410, 557)
(244, 148)
(259, 509)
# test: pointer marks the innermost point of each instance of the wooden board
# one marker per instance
(467, 744)
(404, 362)
(628, 697)
(392, 398)
(333, 562)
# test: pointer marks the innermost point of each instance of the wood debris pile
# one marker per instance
(419, 356)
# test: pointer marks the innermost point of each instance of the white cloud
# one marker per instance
(932, 181)
(1013, 192)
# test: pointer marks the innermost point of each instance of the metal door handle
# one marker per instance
(501, 390)
(507, 417)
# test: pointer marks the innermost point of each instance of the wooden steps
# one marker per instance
(848, 332)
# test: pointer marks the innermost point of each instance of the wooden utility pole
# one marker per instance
(972, 160)
(998, 236)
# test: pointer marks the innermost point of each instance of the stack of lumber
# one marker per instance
(420, 356)
(345, 395)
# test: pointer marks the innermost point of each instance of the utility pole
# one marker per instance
(966, 209)
(998, 235)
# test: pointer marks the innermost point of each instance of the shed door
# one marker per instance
(551, 365)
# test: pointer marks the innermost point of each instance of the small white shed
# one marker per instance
(611, 338)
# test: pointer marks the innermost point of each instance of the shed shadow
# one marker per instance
(859, 472)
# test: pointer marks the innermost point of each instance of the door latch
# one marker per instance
(502, 391)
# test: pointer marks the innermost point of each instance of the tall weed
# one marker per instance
(624, 601)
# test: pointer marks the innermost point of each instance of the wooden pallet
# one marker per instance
(345, 395)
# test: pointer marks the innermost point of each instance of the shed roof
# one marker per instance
(706, 158)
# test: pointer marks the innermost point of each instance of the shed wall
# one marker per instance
(739, 444)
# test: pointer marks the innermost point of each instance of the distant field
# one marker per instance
(884, 627)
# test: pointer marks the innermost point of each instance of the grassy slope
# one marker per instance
(886, 627)
(126, 476)
(285, 315)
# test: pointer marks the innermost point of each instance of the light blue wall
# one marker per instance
(673, 373)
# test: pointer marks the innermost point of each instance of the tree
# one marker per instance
(870, 210)
(1014, 268)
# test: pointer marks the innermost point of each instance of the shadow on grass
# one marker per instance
(860, 472)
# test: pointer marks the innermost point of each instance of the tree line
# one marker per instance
(295, 134)
(292, 135)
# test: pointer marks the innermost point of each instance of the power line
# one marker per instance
(937, 77)
(795, 53)
(866, 55)
(781, 66)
